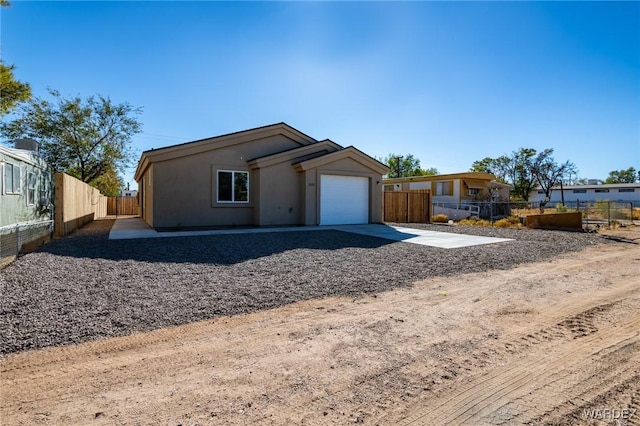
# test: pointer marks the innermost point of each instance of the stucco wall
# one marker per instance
(279, 192)
(185, 188)
(345, 167)
(145, 190)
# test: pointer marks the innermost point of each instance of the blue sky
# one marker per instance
(450, 82)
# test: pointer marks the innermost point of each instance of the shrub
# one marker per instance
(508, 222)
(561, 208)
(474, 221)
(441, 218)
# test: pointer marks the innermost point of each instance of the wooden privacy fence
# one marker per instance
(407, 206)
(117, 206)
(76, 204)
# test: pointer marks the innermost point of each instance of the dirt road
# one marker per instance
(550, 343)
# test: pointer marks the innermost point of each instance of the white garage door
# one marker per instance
(344, 200)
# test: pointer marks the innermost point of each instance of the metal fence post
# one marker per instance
(17, 239)
(491, 207)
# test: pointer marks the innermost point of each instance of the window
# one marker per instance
(233, 187)
(602, 190)
(626, 190)
(12, 175)
(579, 191)
(443, 188)
(473, 191)
(31, 189)
(540, 191)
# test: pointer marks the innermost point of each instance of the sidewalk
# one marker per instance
(134, 227)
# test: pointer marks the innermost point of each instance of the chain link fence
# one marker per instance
(594, 213)
(18, 237)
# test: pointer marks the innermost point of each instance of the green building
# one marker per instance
(26, 197)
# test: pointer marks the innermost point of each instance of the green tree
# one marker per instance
(523, 169)
(405, 166)
(494, 166)
(89, 139)
(12, 91)
(623, 176)
(549, 174)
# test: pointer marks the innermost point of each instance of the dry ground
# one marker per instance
(542, 343)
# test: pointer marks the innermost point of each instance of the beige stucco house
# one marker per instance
(267, 176)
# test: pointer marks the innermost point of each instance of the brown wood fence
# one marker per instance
(122, 206)
(76, 204)
(407, 206)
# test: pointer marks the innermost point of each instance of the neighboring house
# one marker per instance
(128, 193)
(453, 188)
(25, 184)
(458, 195)
(267, 176)
(629, 192)
(25, 199)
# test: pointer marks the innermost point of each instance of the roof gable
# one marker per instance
(348, 152)
(218, 142)
(296, 154)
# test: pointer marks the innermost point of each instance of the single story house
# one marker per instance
(457, 195)
(268, 176)
(454, 188)
(625, 192)
(25, 199)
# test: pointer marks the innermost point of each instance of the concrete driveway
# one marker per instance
(133, 228)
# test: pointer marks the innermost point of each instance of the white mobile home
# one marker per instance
(619, 192)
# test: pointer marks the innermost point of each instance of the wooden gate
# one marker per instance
(122, 206)
(407, 206)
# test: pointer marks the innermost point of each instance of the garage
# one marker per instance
(344, 200)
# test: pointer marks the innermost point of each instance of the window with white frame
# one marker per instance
(12, 175)
(31, 189)
(473, 191)
(233, 186)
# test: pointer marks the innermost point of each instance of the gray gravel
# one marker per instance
(85, 287)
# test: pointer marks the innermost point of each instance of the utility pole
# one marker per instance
(398, 158)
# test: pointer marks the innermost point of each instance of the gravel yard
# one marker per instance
(85, 287)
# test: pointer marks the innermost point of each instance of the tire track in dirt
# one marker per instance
(175, 334)
(184, 341)
(480, 401)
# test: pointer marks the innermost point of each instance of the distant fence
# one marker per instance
(407, 206)
(118, 206)
(594, 213)
(76, 204)
(19, 237)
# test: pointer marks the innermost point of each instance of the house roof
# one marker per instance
(296, 154)
(601, 186)
(216, 142)
(309, 154)
(24, 155)
(348, 152)
(467, 176)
